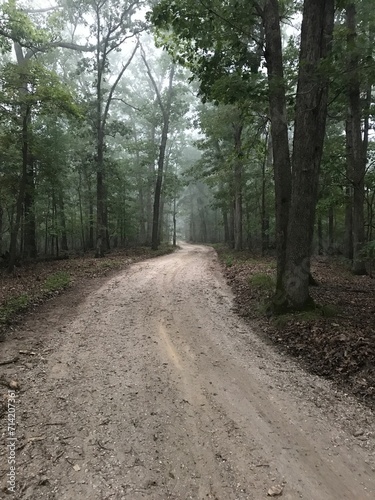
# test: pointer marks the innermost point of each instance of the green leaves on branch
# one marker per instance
(34, 85)
(219, 42)
(16, 26)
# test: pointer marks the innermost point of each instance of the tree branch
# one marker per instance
(113, 88)
(158, 96)
(126, 103)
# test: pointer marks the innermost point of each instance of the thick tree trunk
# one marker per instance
(279, 132)
(331, 237)
(162, 203)
(158, 187)
(348, 238)
(320, 236)
(355, 146)
(1, 229)
(310, 121)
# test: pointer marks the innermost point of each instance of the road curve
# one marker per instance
(152, 387)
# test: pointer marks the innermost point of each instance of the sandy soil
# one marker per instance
(150, 386)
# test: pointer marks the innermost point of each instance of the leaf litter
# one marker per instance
(337, 340)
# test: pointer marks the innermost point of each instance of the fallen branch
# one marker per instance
(9, 361)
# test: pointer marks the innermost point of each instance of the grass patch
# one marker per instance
(263, 281)
(228, 261)
(109, 264)
(319, 312)
(13, 306)
(57, 281)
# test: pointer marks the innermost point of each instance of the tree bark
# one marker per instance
(64, 236)
(331, 237)
(29, 248)
(265, 222)
(1, 229)
(226, 225)
(279, 133)
(237, 182)
(320, 236)
(21, 191)
(355, 146)
(348, 237)
(310, 121)
(166, 111)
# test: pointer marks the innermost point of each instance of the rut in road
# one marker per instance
(152, 387)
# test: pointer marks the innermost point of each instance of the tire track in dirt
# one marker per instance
(153, 388)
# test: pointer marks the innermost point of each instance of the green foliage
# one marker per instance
(57, 281)
(219, 43)
(16, 25)
(263, 281)
(229, 261)
(313, 314)
(13, 306)
(42, 89)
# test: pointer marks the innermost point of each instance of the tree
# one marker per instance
(165, 109)
(209, 48)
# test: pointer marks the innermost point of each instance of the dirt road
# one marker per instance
(151, 387)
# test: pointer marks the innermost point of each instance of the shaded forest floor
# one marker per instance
(337, 340)
(36, 282)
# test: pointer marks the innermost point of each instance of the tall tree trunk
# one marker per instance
(101, 228)
(166, 110)
(140, 186)
(279, 133)
(226, 225)
(348, 237)
(237, 182)
(174, 222)
(64, 236)
(29, 249)
(265, 222)
(1, 229)
(83, 242)
(355, 146)
(310, 121)
(231, 225)
(320, 236)
(162, 202)
(21, 191)
(150, 192)
(330, 231)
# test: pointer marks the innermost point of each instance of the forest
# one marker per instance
(187, 249)
(133, 123)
